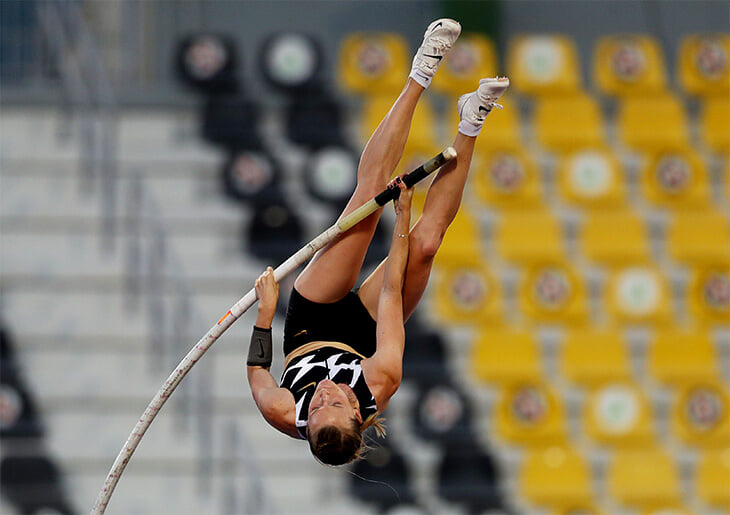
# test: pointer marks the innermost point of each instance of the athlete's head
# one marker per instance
(334, 424)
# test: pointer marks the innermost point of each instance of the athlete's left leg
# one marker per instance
(442, 202)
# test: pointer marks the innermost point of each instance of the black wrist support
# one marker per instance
(259, 351)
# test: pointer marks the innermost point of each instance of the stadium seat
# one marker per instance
(566, 123)
(618, 414)
(442, 413)
(505, 356)
(529, 237)
(231, 121)
(712, 479)
(591, 357)
(462, 241)
(502, 126)
(699, 238)
(646, 124)
(373, 64)
(678, 357)
(638, 294)
(472, 58)
(208, 63)
(467, 293)
(646, 479)
(387, 480)
(553, 292)
(34, 484)
(708, 294)
(703, 64)
(506, 179)
(316, 121)
(424, 360)
(700, 414)
(530, 414)
(274, 233)
(469, 477)
(544, 65)
(591, 178)
(627, 65)
(632, 247)
(292, 62)
(715, 124)
(330, 175)
(422, 127)
(676, 179)
(556, 477)
(252, 177)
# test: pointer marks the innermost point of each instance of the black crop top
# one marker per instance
(304, 372)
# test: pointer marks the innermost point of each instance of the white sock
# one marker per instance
(468, 128)
(421, 78)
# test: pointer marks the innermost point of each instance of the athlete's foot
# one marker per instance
(475, 106)
(437, 41)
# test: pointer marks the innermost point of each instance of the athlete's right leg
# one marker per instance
(333, 271)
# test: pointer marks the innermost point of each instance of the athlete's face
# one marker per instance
(330, 406)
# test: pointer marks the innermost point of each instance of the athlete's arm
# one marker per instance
(275, 404)
(385, 368)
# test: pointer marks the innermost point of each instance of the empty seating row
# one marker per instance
(590, 357)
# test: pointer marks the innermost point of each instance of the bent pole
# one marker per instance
(240, 307)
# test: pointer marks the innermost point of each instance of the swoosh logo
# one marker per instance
(481, 108)
(313, 383)
(261, 348)
(439, 57)
(437, 25)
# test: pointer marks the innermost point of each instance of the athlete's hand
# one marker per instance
(267, 291)
(403, 203)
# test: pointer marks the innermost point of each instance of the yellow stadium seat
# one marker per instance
(566, 123)
(704, 64)
(700, 414)
(505, 356)
(629, 65)
(638, 294)
(544, 65)
(673, 510)
(713, 478)
(615, 238)
(553, 292)
(708, 294)
(422, 131)
(676, 178)
(530, 236)
(502, 126)
(467, 293)
(715, 124)
(506, 179)
(462, 240)
(530, 414)
(618, 414)
(699, 238)
(646, 124)
(473, 57)
(373, 63)
(591, 178)
(679, 357)
(591, 357)
(644, 479)
(556, 477)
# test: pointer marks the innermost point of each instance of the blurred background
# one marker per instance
(572, 352)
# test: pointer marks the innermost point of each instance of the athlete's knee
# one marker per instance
(425, 242)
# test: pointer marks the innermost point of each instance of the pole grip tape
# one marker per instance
(417, 175)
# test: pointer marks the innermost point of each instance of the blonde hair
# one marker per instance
(335, 446)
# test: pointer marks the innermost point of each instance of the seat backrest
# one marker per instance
(557, 477)
(593, 356)
(553, 292)
(675, 178)
(373, 63)
(506, 179)
(701, 414)
(682, 356)
(646, 478)
(628, 65)
(619, 414)
(703, 64)
(473, 57)
(530, 236)
(631, 247)
(566, 123)
(638, 294)
(699, 238)
(544, 64)
(505, 356)
(591, 178)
